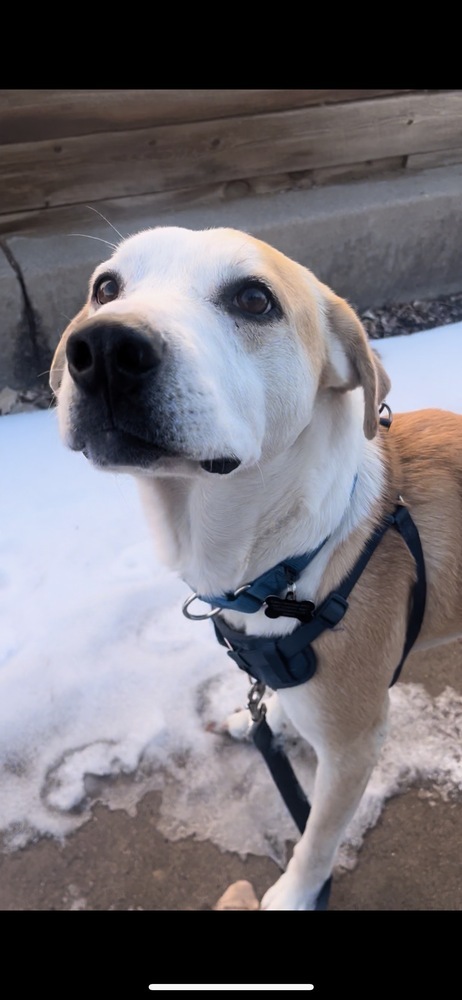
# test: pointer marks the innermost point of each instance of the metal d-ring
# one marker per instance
(213, 611)
(197, 618)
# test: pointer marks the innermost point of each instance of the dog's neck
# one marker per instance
(219, 532)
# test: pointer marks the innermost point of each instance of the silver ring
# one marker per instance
(214, 611)
(197, 618)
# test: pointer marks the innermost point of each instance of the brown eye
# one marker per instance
(254, 300)
(106, 290)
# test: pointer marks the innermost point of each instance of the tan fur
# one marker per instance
(59, 359)
(366, 369)
(342, 710)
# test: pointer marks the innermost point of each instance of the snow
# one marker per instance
(101, 675)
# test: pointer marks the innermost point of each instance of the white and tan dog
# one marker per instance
(244, 397)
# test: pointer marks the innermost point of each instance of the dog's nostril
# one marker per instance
(80, 356)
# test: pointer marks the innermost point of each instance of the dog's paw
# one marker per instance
(288, 894)
(238, 896)
(238, 724)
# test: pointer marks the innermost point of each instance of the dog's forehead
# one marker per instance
(201, 256)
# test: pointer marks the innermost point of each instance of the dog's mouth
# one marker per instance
(220, 466)
(112, 447)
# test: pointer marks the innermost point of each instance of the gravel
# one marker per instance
(411, 317)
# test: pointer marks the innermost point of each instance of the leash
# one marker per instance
(282, 773)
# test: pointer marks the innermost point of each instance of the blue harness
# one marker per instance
(290, 660)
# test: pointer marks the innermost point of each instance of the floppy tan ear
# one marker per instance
(59, 358)
(351, 362)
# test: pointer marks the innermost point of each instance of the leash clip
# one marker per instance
(256, 693)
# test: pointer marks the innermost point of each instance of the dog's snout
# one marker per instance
(112, 354)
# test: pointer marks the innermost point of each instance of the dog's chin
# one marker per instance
(114, 449)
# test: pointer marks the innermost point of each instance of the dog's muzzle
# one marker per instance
(115, 364)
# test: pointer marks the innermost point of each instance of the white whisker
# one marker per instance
(113, 246)
(261, 473)
(105, 220)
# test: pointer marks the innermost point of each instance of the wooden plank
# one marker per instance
(438, 158)
(63, 217)
(118, 209)
(35, 115)
(146, 161)
(357, 171)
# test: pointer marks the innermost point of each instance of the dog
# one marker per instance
(243, 395)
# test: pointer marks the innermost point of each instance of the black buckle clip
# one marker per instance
(386, 421)
(287, 607)
(333, 610)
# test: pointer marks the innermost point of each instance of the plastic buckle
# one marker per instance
(332, 610)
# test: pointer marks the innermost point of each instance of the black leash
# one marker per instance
(282, 774)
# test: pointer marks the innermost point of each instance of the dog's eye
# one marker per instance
(254, 300)
(106, 290)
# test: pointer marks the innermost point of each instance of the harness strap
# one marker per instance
(287, 661)
(409, 533)
(252, 596)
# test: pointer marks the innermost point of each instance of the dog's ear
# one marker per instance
(350, 360)
(58, 364)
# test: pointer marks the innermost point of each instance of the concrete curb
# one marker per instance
(374, 242)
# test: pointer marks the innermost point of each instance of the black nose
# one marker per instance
(112, 354)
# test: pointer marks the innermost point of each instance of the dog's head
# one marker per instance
(200, 351)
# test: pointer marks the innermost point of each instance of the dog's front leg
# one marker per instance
(341, 778)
